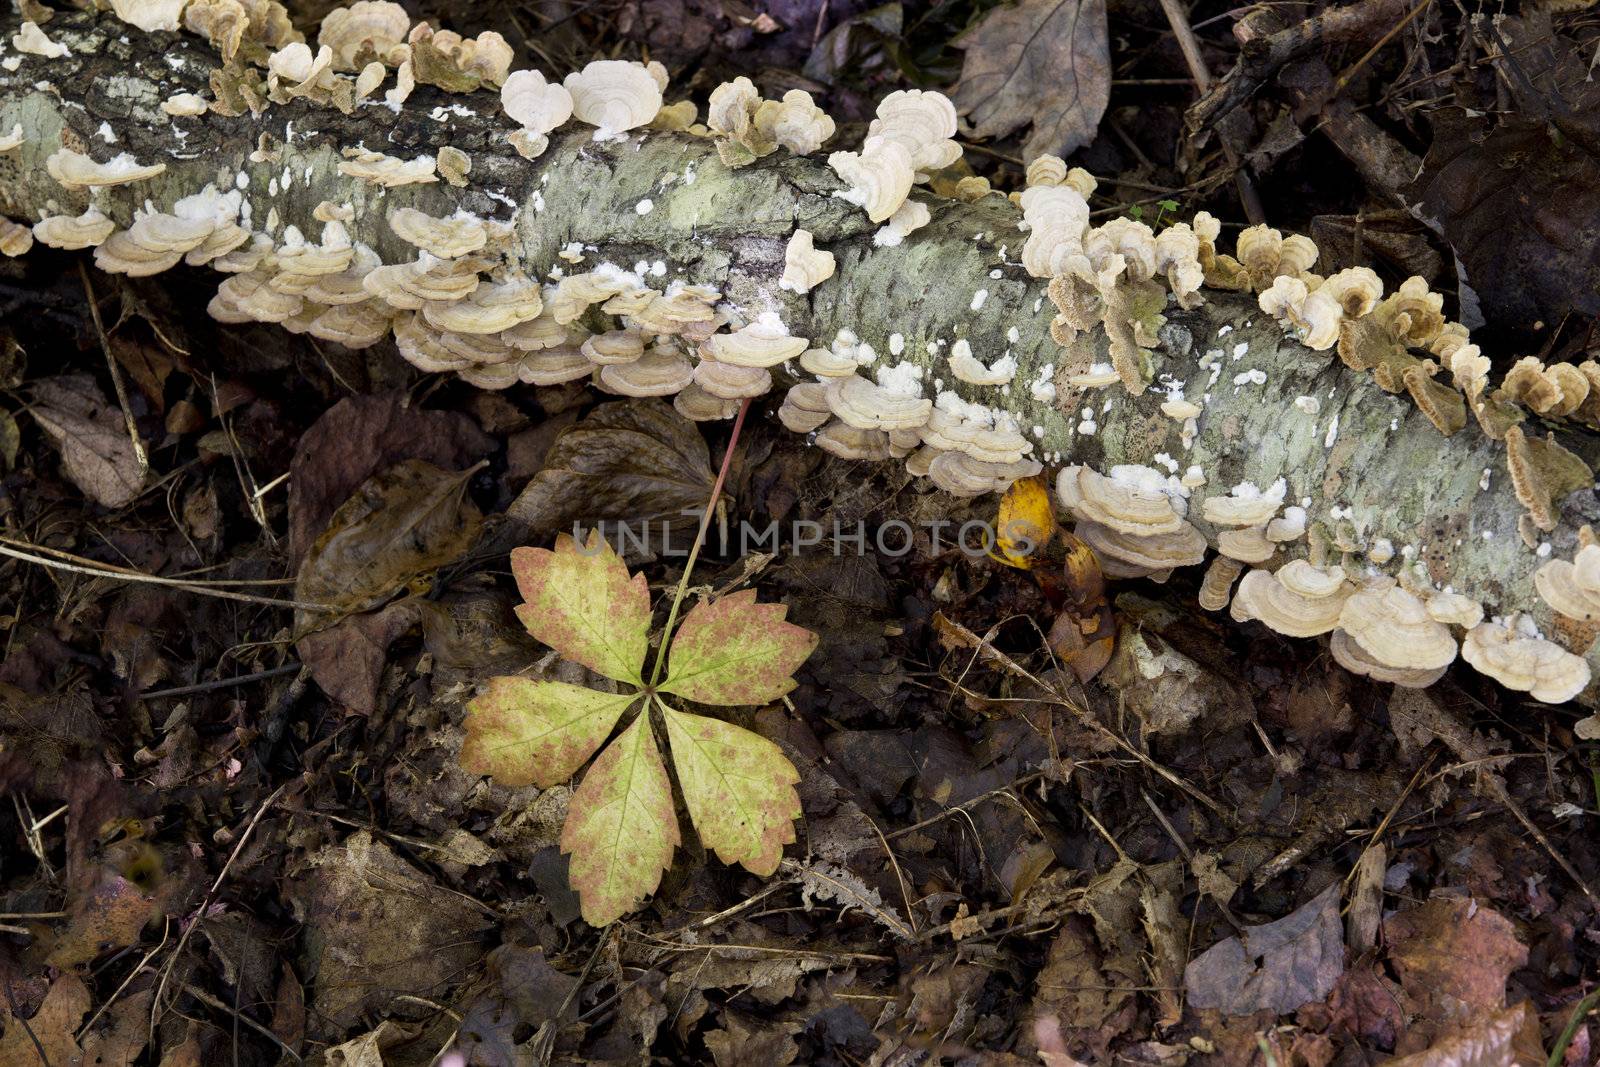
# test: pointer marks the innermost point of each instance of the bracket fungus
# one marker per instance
(74, 231)
(1513, 654)
(537, 106)
(804, 265)
(614, 95)
(77, 171)
(879, 176)
(31, 40)
(1297, 600)
(1385, 632)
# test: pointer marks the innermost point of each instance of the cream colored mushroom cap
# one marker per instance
(533, 103)
(1300, 600)
(1125, 508)
(77, 171)
(553, 366)
(491, 308)
(74, 231)
(345, 30)
(614, 94)
(1244, 506)
(1454, 609)
(353, 325)
(160, 232)
(825, 363)
(763, 343)
(1184, 547)
(728, 381)
(656, 373)
(880, 176)
(866, 405)
(1558, 584)
(1540, 668)
(120, 254)
(1392, 627)
(1349, 654)
(804, 265)
(804, 407)
(850, 442)
(1248, 545)
(447, 238)
(697, 405)
(614, 347)
(960, 475)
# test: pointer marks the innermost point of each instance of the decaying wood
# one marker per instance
(1360, 460)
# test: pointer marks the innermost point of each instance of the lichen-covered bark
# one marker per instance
(1364, 458)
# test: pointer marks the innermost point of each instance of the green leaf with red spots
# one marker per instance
(738, 787)
(734, 651)
(581, 602)
(526, 732)
(621, 827)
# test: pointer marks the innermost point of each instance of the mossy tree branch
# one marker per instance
(1358, 456)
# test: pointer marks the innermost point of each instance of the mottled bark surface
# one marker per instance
(1364, 457)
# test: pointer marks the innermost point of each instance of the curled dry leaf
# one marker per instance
(637, 460)
(403, 523)
(1042, 61)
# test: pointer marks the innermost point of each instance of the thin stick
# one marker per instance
(28, 546)
(116, 374)
(1189, 45)
(177, 953)
(699, 539)
(98, 571)
(220, 683)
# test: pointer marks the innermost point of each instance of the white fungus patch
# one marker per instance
(978, 298)
(897, 344)
(1043, 387)
(1333, 433)
(644, 207)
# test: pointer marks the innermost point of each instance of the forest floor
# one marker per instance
(232, 834)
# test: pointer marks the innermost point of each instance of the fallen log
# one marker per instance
(1379, 486)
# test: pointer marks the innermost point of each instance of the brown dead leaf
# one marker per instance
(637, 460)
(1047, 62)
(746, 1043)
(375, 925)
(1508, 1038)
(347, 659)
(51, 1026)
(92, 437)
(360, 436)
(403, 523)
(1275, 967)
(1453, 956)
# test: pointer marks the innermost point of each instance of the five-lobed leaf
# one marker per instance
(525, 732)
(738, 787)
(621, 827)
(733, 651)
(582, 603)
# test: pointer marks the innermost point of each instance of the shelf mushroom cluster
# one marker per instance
(1135, 519)
(464, 305)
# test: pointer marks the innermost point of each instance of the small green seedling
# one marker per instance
(621, 826)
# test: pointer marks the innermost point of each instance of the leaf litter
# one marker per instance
(870, 809)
